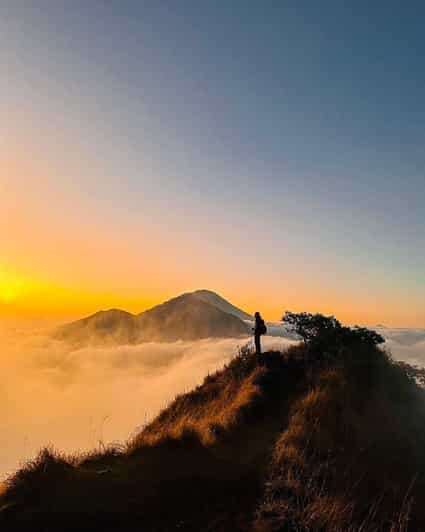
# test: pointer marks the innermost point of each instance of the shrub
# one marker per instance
(46, 470)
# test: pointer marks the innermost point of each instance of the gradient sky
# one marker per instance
(271, 151)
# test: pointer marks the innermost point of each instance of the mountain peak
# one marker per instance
(190, 317)
(214, 299)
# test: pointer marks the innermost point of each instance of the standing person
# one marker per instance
(259, 329)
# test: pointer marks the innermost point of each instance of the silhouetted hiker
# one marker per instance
(259, 329)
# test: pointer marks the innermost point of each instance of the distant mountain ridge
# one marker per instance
(112, 326)
(190, 316)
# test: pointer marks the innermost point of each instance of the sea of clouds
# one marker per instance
(405, 344)
(78, 399)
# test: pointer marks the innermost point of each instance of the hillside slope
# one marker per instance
(276, 443)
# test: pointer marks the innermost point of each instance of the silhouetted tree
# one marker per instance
(325, 336)
(310, 326)
(366, 336)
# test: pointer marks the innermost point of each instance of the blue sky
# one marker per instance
(280, 142)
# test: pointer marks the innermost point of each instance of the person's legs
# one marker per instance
(257, 344)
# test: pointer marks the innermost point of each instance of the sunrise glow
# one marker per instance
(122, 184)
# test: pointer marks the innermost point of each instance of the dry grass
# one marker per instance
(207, 411)
(347, 459)
(300, 446)
(201, 461)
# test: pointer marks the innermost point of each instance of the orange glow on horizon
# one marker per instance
(22, 296)
(58, 263)
(35, 298)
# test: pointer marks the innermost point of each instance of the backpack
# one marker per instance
(262, 329)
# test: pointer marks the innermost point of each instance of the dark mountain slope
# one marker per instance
(277, 443)
(188, 318)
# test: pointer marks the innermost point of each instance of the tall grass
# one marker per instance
(278, 442)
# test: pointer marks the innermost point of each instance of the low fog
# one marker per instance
(77, 399)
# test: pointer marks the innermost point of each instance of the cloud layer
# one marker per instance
(406, 344)
(75, 398)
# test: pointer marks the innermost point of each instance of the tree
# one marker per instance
(326, 334)
(310, 326)
(367, 336)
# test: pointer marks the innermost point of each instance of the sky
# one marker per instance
(270, 151)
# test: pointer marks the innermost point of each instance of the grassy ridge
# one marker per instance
(352, 456)
(271, 443)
